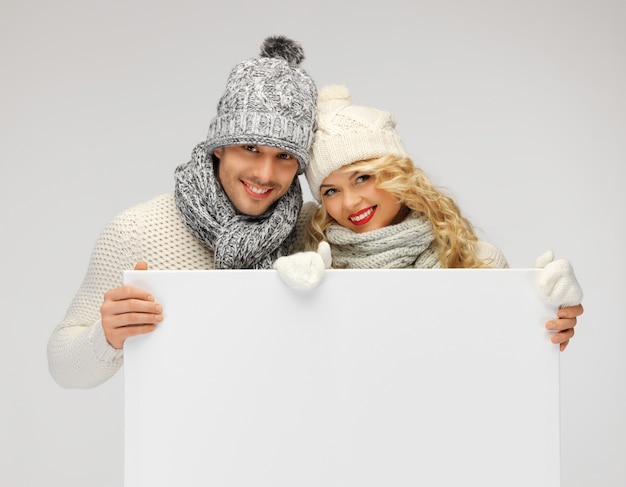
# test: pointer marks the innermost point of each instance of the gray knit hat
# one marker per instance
(348, 133)
(268, 101)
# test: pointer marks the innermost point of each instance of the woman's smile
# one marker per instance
(363, 216)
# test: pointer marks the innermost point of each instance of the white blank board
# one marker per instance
(374, 378)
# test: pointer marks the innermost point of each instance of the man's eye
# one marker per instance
(284, 155)
(251, 148)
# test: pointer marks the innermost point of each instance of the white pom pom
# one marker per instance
(332, 97)
(334, 92)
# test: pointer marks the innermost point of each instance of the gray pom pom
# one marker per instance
(282, 47)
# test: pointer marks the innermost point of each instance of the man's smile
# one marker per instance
(256, 192)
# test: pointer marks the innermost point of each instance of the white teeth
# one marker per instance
(256, 190)
(362, 215)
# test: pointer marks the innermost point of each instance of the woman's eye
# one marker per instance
(329, 192)
(362, 178)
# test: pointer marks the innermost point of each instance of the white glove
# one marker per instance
(304, 270)
(557, 283)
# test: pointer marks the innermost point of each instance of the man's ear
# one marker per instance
(218, 152)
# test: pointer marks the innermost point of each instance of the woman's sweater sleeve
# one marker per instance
(491, 255)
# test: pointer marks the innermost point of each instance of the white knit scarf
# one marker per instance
(239, 241)
(404, 245)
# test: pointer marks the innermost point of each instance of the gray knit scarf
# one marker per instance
(239, 241)
(405, 245)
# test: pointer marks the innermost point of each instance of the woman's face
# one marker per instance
(352, 199)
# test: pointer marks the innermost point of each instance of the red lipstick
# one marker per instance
(363, 216)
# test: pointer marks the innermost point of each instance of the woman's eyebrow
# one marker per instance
(351, 176)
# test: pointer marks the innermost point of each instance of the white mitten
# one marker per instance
(304, 270)
(557, 282)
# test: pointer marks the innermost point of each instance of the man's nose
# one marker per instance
(264, 169)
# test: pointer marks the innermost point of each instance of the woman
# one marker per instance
(379, 211)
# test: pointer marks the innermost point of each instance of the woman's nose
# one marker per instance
(351, 199)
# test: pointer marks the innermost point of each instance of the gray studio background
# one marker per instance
(517, 107)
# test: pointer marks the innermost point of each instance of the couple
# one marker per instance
(238, 204)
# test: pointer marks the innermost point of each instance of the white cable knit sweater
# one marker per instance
(78, 352)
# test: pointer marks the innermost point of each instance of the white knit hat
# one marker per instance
(348, 133)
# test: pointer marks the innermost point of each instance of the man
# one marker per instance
(237, 204)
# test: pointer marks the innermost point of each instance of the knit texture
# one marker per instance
(491, 255)
(78, 353)
(239, 241)
(269, 101)
(557, 283)
(407, 245)
(348, 133)
(304, 270)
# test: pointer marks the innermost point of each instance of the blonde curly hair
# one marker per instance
(455, 238)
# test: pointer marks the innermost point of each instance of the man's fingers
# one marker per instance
(131, 306)
(561, 324)
(128, 311)
(571, 311)
(564, 325)
(562, 336)
(127, 292)
(118, 336)
(131, 319)
(133, 330)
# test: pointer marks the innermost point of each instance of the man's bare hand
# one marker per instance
(564, 325)
(129, 311)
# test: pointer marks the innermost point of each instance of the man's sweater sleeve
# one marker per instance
(79, 355)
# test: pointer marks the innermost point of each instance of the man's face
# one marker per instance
(255, 176)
